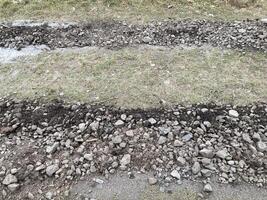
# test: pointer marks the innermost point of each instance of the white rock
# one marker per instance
(175, 174)
(119, 123)
(94, 125)
(88, 156)
(82, 127)
(233, 113)
(207, 188)
(50, 170)
(126, 159)
(264, 20)
(152, 121)
(152, 181)
(130, 133)
(9, 179)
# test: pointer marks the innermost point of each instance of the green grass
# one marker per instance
(133, 10)
(139, 77)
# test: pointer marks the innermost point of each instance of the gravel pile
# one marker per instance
(246, 35)
(68, 142)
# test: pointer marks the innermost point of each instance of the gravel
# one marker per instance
(231, 148)
(242, 35)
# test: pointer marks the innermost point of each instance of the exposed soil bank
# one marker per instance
(246, 35)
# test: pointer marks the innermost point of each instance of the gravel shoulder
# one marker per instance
(50, 147)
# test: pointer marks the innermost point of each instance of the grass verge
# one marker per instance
(133, 10)
(142, 77)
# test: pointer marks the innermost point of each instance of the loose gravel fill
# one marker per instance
(245, 35)
(68, 142)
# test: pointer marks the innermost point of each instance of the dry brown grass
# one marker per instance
(133, 10)
(139, 77)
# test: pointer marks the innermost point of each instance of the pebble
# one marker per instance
(50, 170)
(162, 140)
(126, 160)
(117, 139)
(196, 168)
(119, 123)
(233, 113)
(152, 181)
(208, 153)
(175, 174)
(152, 121)
(130, 133)
(222, 154)
(53, 148)
(181, 161)
(178, 143)
(207, 188)
(13, 187)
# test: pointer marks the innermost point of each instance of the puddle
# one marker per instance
(8, 55)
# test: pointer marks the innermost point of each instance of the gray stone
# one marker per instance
(53, 148)
(50, 170)
(181, 161)
(117, 139)
(187, 137)
(162, 140)
(9, 179)
(261, 146)
(130, 133)
(49, 195)
(30, 196)
(175, 174)
(196, 168)
(13, 187)
(119, 123)
(178, 143)
(147, 39)
(152, 121)
(126, 159)
(222, 154)
(82, 127)
(247, 138)
(88, 156)
(164, 130)
(233, 113)
(152, 181)
(94, 125)
(207, 188)
(207, 153)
